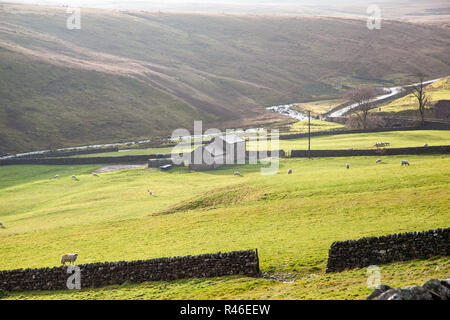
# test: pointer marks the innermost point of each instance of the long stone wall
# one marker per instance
(80, 161)
(294, 154)
(96, 275)
(371, 152)
(390, 248)
(77, 161)
(71, 153)
(427, 126)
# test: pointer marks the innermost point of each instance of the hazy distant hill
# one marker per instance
(430, 11)
(136, 74)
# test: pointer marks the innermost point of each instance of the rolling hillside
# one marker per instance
(130, 74)
(291, 219)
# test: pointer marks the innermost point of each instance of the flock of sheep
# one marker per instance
(382, 144)
(74, 177)
(387, 144)
(402, 163)
(72, 257)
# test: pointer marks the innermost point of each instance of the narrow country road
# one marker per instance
(389, 92)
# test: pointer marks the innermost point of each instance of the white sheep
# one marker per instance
(379, 161)
(290, 171)
(348, 165)
(95, 174)
(379, 144)
(150, 192)
(405, 163)
(237, 173)
(425, 145)
(57, 176)
(74, 177)
(69, 257)
(1, 225)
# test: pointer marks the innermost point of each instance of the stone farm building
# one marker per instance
(226, 149)
(442, 110)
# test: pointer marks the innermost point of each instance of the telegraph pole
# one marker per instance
(309, 134)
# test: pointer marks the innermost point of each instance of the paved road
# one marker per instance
(389, 92)
(392, 91)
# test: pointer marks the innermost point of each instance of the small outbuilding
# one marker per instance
(442, 110)
(226, 149)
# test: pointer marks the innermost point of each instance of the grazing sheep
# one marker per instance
(379, 144)
(57, 176)
(379, 161)
(405, 163)
(348, 165)
(95, 174)
(1, 225)
(237, 173)
(150, 192)
(290, 171)
(75, 177)
(69, 257)
(382, 144)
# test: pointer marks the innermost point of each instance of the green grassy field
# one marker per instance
(134, 152)
(318, 107)
(291, 219)
(316, 125)
(398, 139)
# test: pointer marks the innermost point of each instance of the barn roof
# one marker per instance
(218, 148)
(231, 138)
(215, 149)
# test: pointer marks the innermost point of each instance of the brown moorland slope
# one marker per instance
(130, 74)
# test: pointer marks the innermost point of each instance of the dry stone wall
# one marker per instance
(390, 248)
(96, 275)
(371, 152)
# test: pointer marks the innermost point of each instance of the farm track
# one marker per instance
(391, 92)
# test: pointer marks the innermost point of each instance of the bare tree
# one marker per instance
(418, 91)
(361, 95)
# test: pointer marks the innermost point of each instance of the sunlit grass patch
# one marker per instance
(291, 219)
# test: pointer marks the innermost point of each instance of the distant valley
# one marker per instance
(131, 74)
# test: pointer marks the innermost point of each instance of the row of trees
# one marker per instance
(363, 95)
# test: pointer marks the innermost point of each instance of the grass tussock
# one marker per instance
(228, 196)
